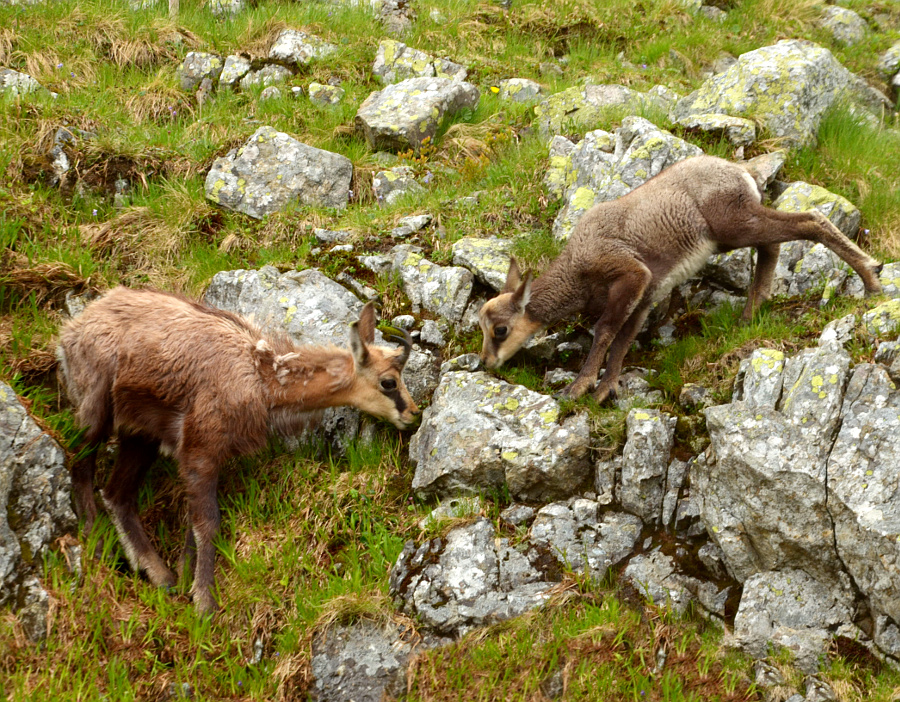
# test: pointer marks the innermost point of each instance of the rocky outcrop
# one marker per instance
(273, 169)
(198, 65)
(396, 61)
(35, 508)
(488, 259)
(408, 114)
(299, 48)
(481, 433)
(583, 105)
(786, 88)
(443, 290)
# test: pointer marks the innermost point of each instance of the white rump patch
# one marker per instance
(752, 183)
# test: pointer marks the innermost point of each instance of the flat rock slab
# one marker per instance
(273, 169)
(35, 496)
(786, 87)
(408, 114)
(471, 578)
(481, 433)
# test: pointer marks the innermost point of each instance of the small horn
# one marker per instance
(401, 337)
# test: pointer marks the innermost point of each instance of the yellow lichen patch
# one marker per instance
(509, 455)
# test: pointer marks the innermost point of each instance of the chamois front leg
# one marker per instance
(761, 287)
(625, 294)
(136, 454)
(203, 508)
(609, 383)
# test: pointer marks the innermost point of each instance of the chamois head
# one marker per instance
(378, 387)
(505, 324)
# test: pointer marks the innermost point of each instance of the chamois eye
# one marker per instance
(388, 384)
(500, 332)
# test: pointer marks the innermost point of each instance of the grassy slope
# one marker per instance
(306, 539)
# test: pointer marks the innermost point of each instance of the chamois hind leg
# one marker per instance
(625, 293)
(761, 287)
(94, 413)
(188, 560)
(203, 509)
(609, 383)
(136, 455)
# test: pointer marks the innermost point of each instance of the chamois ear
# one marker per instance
(522, 295)
(362, 333)
(513, 277)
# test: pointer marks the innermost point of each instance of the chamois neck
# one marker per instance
(555, 295)
(317, 378)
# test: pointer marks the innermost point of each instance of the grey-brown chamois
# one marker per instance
(625, 255)
(164, 373)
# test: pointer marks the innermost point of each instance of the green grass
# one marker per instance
(308, 538)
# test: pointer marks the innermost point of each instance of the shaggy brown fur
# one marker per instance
(627, 254)
(168, 374)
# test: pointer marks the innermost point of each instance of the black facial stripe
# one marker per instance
(397, 398)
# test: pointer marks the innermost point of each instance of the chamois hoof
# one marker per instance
(605, 393)
(205, 604)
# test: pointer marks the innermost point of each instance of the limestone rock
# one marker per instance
(655, 576)
(270, 74)
(421, 375)
(363, 661)
(273, 169)
(645, 461)
(407, 226)
(35, 498)
(845, 25)
(396, 61)
(884, 320)
(408, 114)
(14, 84)
(599, 169)
(390, 185)
(482, 433)
(738, 131)
(790, 609)
(235, 68)
(786, 87)
(488, 259)
(765, 167)
(582, 540)
(443, 290)
(520, 90)
(469, 578)
(325, 95)
(802, 197)
(198, 65)
(889, 61)
(299, 48)
(731, 270)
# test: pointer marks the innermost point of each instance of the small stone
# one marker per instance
(270, 93)
(431, 334)
(403, 321)
(325, 95)
(467, 362)
(518, 515)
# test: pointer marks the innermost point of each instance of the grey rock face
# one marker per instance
(221, 8)
(235, 68)
(481, 433)
(793, 610)
(645, 462)
(300, 48)
(15, 84)
(583, 540)
(407, 226)
(889, 61)
(802, 197)
(787, 87)
(731, 270)
(396, 61)
(468, 579)
(655, 576)
(362, 662)
(198, 65)
(273, 169)
(488, 259)
(35, 496)
(845, 25)
(603, 167)
(884, 320)
(520, 90)
(408, 114)
(443, 290)
(389, 186)
(421, 375)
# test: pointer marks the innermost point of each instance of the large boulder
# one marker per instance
(845, 25)
(408, 114)
(444, 290)
(645, 462)
(470, 578)
(488, 259)
(35, 508)
(273, 169)
(786, 88)
(15, 84)
(604, 167)
(481, 433)
(396, 61)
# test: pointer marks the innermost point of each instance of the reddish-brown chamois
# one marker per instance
(164, 373)
(625, 255)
